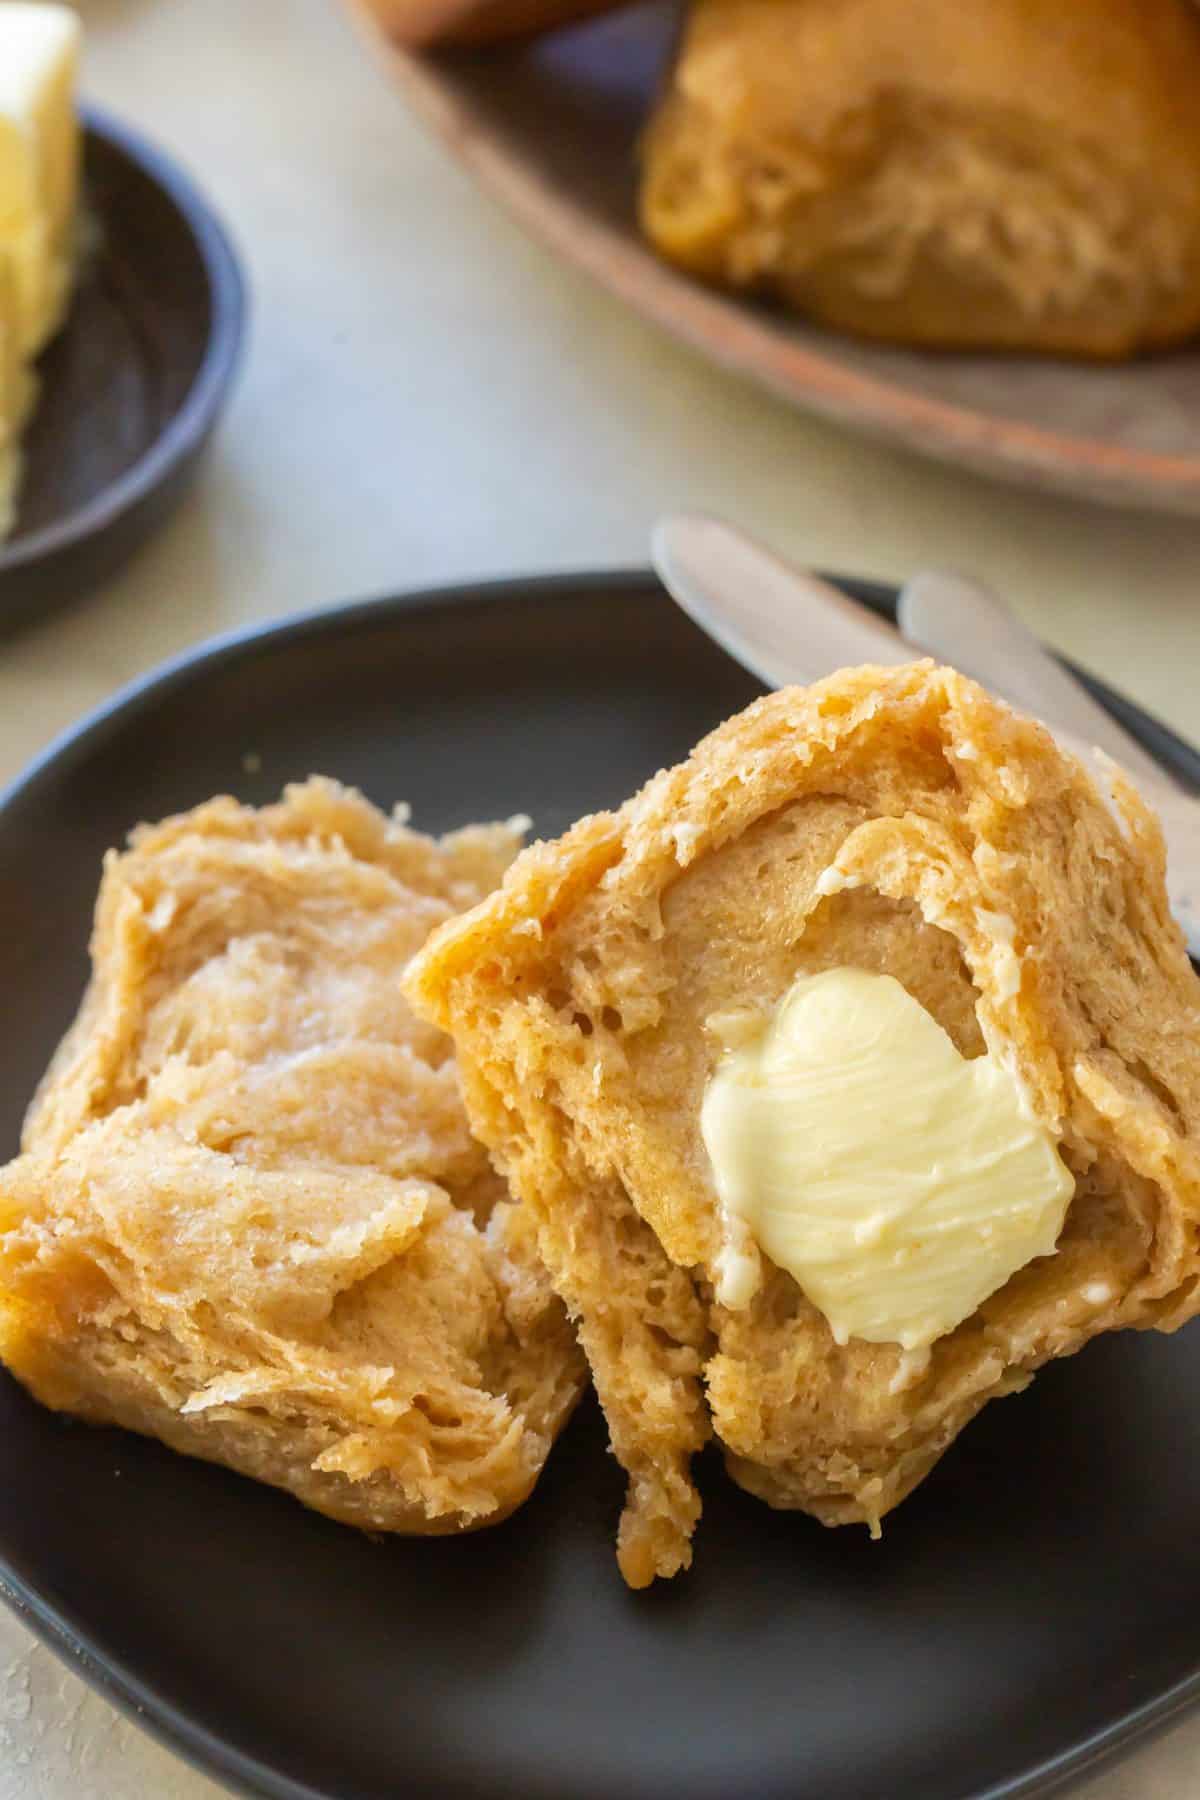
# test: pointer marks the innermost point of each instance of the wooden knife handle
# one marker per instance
(417, 22)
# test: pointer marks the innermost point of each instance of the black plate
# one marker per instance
(130, 389)
(1032, 1607)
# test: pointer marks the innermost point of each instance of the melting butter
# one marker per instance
(898, 1182)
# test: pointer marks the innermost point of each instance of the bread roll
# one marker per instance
(1015, 174)
(895, 821)
(249, 1218)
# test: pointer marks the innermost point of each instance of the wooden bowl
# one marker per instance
(550, 127)
(131, 388)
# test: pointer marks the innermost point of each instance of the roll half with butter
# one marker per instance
(851, 1072)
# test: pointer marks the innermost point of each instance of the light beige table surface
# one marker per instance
(427, 396)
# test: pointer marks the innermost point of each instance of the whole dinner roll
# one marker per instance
(1003, 173)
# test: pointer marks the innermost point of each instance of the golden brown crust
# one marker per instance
(1011, 173)
(249, 1217)
(956, 848)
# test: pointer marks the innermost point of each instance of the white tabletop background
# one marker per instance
(426, 396)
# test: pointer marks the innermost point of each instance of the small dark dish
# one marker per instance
(1031, 1609)
(131, 388)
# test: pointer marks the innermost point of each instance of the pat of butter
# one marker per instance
(39, 161)
(898, 1182)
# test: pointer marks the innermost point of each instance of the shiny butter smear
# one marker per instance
(898, 1182)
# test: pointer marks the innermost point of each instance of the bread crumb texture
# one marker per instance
(249, 1217)
(900, 821)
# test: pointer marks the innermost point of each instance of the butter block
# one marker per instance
(39, 161)
(900, 1183)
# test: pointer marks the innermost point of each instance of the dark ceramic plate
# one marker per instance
(1032, 1607)
(131, 387)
